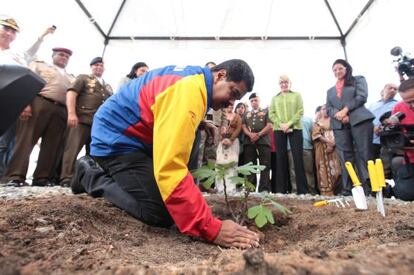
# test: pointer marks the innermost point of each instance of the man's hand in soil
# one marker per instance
(234, 235)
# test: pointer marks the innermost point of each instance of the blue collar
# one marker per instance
(209, 85)
(388, 101)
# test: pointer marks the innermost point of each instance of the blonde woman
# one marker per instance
(286, 111)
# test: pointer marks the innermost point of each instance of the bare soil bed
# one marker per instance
(63, 234)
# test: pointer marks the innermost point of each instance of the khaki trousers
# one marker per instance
(48, 122)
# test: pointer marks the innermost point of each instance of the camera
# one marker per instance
(405, 64)
(395, 135)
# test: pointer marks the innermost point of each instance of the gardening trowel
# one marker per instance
(379, 168)
(357, 191)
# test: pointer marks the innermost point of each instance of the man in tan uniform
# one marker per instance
(8, 32)
(47, 121)
(83, 99)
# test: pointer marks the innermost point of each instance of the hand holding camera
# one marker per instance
(50, 29)
(394, 135)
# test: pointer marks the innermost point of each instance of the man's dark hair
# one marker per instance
(237, 71)
(349, 78)
(318, 109)
(406, 85)
(136, 66)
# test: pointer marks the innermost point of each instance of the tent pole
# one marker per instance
(343, 44)
(105, 44)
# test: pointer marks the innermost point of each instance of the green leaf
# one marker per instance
(268, 214)
(250, 168)
(203, 173)
(211, 164)
(258, 168)
(246, 165)
(260, 220)
(281, 208)
(249, 186)
(244, 172)
(254, 211)
(237, 180)
(208, 183)
(225, 166)
(245, 169)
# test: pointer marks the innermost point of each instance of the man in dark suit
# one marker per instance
(351, 122)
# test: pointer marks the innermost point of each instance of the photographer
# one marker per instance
(381, 108)
(403, 167)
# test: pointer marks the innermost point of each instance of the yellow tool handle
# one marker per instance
(372, 171)
(320, 203)
(380, 172)
(352, 174)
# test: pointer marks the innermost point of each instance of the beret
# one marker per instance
(96, 60)
(59, 49)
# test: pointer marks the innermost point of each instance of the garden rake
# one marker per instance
(339, 202)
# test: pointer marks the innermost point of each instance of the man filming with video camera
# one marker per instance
(398, 133)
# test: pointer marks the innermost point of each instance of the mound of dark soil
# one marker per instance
(78, 234)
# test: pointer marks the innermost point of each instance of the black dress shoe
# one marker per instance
(16, 183)
(40, 182)
(83, 164)
(65, 183)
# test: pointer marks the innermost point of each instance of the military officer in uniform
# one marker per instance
(256, 126)
(47, 121)
(83, 98)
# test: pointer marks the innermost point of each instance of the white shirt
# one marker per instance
(10, 57)
(100, 80)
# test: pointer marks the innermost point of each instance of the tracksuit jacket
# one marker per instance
(159, 112)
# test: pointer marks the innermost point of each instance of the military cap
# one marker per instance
(253, 95)
(96, 60)
(69, 52)
(9, 22)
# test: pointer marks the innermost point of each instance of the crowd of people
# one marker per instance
(304, 155)
(143, 139)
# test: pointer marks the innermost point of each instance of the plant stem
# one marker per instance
(245, 206)
(227, 200)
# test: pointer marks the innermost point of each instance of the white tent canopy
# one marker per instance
(300, 38)
(220, 19)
